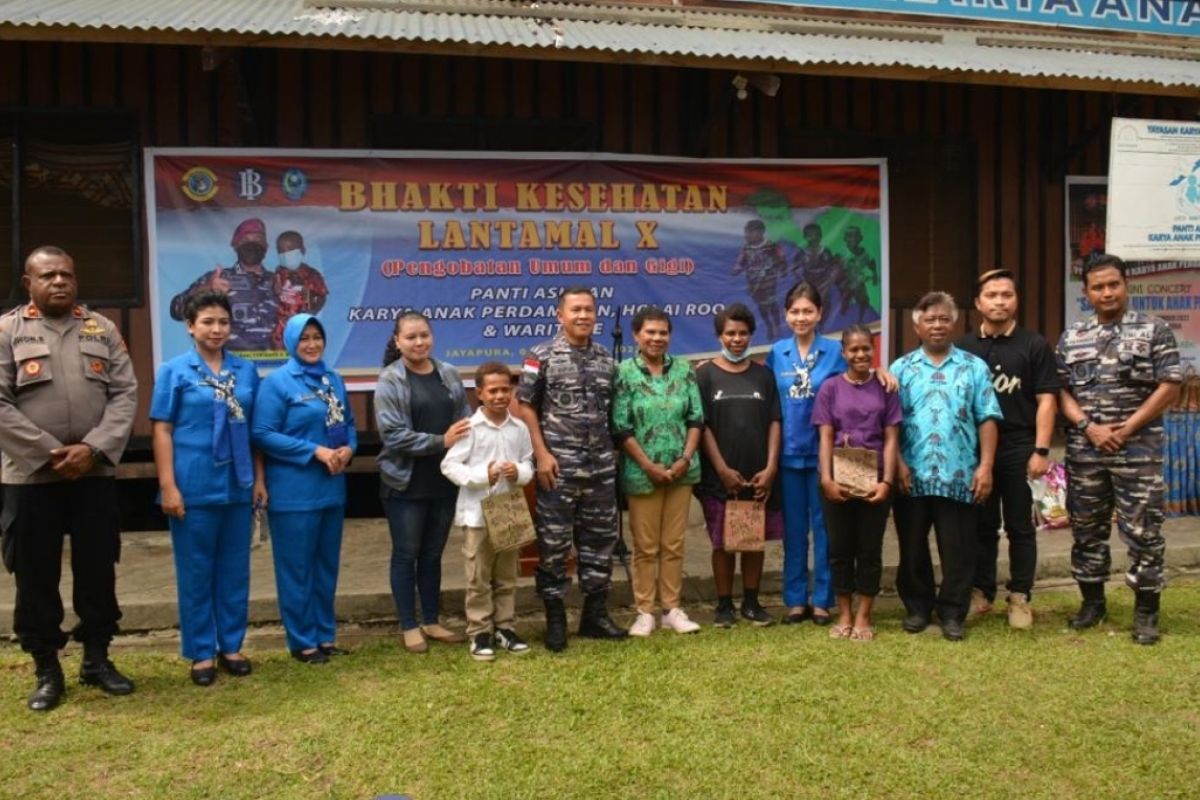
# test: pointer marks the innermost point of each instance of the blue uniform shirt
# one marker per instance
(182, 399)
(798, 380)
(943, 406)
(289, 424)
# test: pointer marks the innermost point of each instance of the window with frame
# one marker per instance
(71, 179)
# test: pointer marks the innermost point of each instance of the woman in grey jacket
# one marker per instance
(421, 411)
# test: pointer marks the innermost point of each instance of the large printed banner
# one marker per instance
(482, 244)
(1154, 190)
(1167, 289)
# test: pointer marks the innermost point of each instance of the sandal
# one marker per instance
(841, 631)
(863, 634)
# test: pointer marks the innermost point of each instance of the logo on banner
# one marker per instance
(295, 184)
(200, 184)
(250, 184)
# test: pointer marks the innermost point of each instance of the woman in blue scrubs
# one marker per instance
(200, 414)
(305, 429)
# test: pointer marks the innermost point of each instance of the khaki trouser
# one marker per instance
(658, 522)
(491, 582)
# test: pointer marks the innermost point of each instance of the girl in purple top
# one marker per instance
(853, 410)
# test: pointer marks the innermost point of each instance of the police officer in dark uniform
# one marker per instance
(565, 394)
(1120, 370)
(67, 400)
(251, 289)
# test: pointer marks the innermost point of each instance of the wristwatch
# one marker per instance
(1042, 451)
(1082, 424)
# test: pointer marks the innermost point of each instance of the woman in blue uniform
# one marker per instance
(200, 414)
(304, 427)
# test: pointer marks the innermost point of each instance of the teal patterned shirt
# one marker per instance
(657, 411)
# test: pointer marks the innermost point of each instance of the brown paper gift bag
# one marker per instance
(509, 524)
(745, 526)
(856, 470)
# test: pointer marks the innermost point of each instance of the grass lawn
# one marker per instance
(748, 713)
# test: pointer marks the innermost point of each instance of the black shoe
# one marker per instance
(203, 676)
(1145, 626)
(796, 617)
(238, 668)
(482, 647)
(953, 631)
(595, 622)
(756, 615)
(915, 622)
(822, 619)
(106, 676)
(556, 625)
(50, 688)
(508, 639)
(724, 617)
(1145, 618)
(333, 650)
(1090, 615)
(315, 657)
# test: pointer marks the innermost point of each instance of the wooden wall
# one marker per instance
(1023, 141)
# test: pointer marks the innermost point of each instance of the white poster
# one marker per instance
(1154, 190)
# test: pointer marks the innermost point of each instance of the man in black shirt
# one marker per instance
(1026, 383)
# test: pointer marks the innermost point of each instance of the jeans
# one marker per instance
(419, 529)
(1011, 494)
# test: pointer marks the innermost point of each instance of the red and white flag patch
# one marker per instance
(531, 366)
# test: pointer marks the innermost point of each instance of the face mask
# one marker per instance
(730, 357)
(291, 259)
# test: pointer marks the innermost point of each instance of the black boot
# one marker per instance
(556, 625)
(1093, 610)
(97, 670)
(1145, 617)
(596, 623)
(50, 684)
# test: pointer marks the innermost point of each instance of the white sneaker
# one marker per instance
(643, 625)
(677, 620)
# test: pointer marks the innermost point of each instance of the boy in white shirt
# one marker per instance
(497, 449)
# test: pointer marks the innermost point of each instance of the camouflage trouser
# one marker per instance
(583, 512)
(1136, 490)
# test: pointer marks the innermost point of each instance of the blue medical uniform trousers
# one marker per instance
(212, 568)
(307, 549)
(802, 513)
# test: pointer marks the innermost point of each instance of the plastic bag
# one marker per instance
(1050, 498)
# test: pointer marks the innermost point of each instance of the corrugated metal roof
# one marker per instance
(694, 34)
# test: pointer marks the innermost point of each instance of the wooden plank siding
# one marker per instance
(1022, 142)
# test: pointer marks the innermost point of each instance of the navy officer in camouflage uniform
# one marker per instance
(251, 289)
(1120, 370)
(565, 395)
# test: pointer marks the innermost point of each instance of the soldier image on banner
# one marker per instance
(565, 397)
(762, 262)
(1120, 371)
(263, 300)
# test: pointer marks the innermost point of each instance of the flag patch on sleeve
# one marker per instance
(531, 366)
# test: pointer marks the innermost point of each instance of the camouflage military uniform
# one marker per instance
(1110, 370)
(253, 300)
(570, 388)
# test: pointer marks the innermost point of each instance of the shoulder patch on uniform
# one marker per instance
(531, 366)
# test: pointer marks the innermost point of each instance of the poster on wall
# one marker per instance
(1154, 190)
(1168, 289)
(483, 243)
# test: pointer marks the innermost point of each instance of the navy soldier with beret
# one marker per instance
(67, 401)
